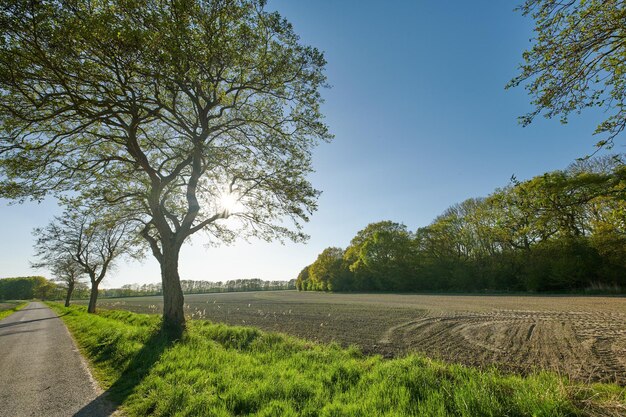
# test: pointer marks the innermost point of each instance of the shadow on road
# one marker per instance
(15, 323)
(19, 332)
(138, 367)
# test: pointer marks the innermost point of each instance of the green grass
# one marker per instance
(219, 370)
(8, 312)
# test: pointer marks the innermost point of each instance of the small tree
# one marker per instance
(66, 271)
(85, 240)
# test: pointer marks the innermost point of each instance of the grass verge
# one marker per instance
(8, 312)
(219, 370)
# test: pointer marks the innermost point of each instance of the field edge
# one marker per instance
(113, 340)
(6, 313)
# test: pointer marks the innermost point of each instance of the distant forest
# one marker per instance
(564, 231)
(201, 287)
(25, 288)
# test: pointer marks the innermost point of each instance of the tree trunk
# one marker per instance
(173, 300)
(70, 290)
(93, 297)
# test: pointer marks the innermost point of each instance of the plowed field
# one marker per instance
(7, 305)
(581, 337)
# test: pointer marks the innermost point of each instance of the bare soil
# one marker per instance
(583, 338)
(6, 305)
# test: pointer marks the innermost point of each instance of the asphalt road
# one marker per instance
(41, 371)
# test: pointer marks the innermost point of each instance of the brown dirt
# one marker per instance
(583, 338)
(7, 306)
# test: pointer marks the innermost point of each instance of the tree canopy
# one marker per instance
(327, 272)
(379, 253)
(577, 60)
(179, 114)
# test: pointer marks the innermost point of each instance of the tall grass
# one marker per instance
(219, 370)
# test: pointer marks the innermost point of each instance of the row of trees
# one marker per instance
(83, 243)
(25, 288)
(168, 118)
(253, 284)
(564, 230)
(201, 287)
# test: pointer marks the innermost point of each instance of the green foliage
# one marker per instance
(302, 281)
(218, 370)
(381, 256)
(200, 287)
(161, 111)
(561, 231)
(577, 61)
(564, 264)
(27, 288)
(328, 272)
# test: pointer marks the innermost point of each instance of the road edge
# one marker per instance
(13, 310)
(101, 392)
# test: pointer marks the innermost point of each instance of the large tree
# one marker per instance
(180, 114)
(577, 60)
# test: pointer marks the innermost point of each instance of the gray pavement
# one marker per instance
(41, 371)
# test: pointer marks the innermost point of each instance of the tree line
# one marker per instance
(26, 288)
(201, 287)
(561, 231)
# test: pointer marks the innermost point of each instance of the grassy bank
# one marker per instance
(218, 370)
(7, 312)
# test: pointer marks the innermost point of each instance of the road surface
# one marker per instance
(41, 371)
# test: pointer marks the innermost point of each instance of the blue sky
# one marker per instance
(421, 121)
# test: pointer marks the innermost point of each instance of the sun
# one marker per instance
(229, 202)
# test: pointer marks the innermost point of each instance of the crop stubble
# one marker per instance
(581, 337)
